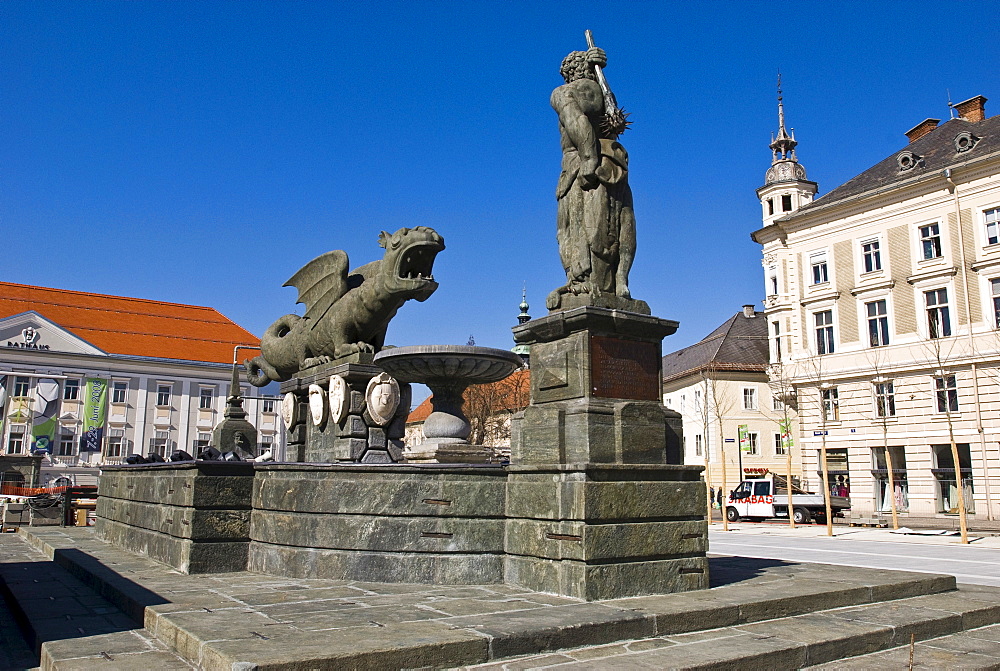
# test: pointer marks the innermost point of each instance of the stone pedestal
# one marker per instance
(598, 505)
(357, 437)
(596, 390)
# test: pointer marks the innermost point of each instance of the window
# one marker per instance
(930, 241)
(885, 399)
(776, 404)
(682, 403)
(878, 323)
(786, 203)
(779, 444)
(158, 443)
(266, 443)
(871, 255)
(71, 390)
(772, 285)
(697, 400)
(820, 273)
(752, 446)
(116, 443)
(749, 398)
(770, 206)
(205, 402)
(945, 476)
(946, 391)
(21, 385)
(202, 442)
(697, 445)
(118, 392)
(995, 287)
(992, 218)
(831, 404)
(267, 405)
(163, 395)
(824, 332)
(15, 441)
(775, 341)
(938, 318)
(67, 442)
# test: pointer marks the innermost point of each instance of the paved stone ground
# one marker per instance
(218, 620)
(14, 652)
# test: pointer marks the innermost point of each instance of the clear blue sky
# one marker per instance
(201, 152)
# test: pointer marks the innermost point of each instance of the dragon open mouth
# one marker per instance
(417, 262)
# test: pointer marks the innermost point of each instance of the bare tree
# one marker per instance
(782, 389)
(884, 409)
(827, 404)
(490, 407)
(947, 403)
(718, 405)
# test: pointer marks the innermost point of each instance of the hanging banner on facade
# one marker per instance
(43, 418)
(95, 410)
(3, 401)
(786, 434)
(744, 435)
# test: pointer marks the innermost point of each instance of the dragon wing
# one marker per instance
(321, 283)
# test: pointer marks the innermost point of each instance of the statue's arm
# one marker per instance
(571, 109)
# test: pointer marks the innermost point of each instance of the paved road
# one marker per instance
(968, 563)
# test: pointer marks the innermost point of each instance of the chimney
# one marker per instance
(972, 110)
(749, 312)
(922, 129)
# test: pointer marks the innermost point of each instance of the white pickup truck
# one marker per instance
(760, 499)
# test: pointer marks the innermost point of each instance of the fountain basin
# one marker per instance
(448, 370)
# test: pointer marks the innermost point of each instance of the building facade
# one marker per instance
(883, 307)
(731, 411)
(87, 379)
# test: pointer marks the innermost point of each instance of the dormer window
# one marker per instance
(965, 141)
(907, 160)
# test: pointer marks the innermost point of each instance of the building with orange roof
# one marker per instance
(87, 379)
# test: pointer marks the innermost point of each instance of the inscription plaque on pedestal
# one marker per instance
(624, 369)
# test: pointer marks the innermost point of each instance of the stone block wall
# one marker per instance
(433, 523)
(194, 517)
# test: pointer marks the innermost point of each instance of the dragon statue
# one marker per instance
(347, 312)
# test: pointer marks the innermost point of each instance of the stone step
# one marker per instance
(65, 623)
(974, 649)
(958, 628)
(247, 620)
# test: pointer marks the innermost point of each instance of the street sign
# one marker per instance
(730, 440)
(821, 433)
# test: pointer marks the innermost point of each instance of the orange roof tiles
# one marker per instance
(132, 326)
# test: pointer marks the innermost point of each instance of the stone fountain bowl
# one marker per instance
(423, 363)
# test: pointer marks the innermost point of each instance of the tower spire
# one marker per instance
(783, 146)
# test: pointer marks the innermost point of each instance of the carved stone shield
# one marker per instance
(317, 404)
(382, 397)
(339, 396)
(289, 410)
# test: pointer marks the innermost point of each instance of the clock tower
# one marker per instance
(786, 188)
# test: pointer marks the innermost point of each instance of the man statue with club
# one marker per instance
(595, 221)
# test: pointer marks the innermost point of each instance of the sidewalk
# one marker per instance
(854, 533)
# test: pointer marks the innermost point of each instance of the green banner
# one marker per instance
(95, 410)
(744, 435)
(786, 434)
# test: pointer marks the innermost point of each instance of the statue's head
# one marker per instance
(409, 257)
(575, 66)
